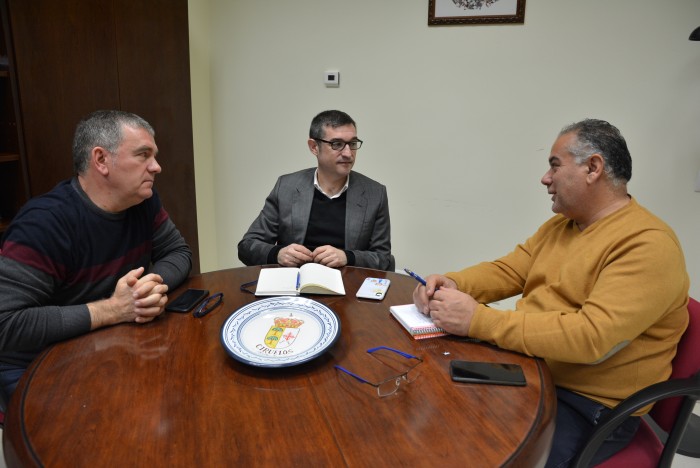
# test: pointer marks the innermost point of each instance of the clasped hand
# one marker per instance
(148, 293)
(449, 308)
(135, 299)
(295, 255)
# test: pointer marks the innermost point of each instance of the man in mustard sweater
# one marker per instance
(604, 290)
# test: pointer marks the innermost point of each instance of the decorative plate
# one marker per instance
(280, 331)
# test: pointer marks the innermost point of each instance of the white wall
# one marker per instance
(457, 121)
(200, 76)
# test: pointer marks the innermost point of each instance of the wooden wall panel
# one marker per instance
(154, 82)
(66, 68)
(77, 56)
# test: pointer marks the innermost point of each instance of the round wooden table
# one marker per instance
(167, 394)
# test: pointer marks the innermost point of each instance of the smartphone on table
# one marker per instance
(187, 300)
(487, 373)
(373, 288)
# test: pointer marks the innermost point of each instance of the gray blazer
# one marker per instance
(285, 217)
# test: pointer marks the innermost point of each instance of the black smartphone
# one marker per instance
(487, 372)
(187, 300)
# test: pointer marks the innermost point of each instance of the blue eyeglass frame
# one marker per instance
(396, 378)
(204, 308)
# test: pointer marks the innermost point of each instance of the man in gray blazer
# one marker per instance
(329, 214)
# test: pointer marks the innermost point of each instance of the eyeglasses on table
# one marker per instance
(209, 304)
(391, 385)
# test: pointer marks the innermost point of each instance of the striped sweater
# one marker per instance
(62, 251)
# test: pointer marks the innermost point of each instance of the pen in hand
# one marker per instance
(415, 276)
(418, 278)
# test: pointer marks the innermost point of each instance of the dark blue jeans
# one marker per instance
(9, 377)
(577, 417)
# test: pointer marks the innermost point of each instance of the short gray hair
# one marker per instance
(598, 136)
(102, 128)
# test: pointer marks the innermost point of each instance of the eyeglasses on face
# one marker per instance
(391, 385)
(207, 305)
(339, 145)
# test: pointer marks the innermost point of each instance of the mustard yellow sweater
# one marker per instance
(604, 307)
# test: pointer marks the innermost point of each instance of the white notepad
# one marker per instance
(420, 326)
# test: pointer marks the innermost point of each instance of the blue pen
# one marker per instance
(417, 277)
(298, 280)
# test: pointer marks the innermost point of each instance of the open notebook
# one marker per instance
(311, 278)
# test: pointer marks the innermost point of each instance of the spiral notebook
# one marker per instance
(418, 325)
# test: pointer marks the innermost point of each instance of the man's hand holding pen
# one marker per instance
(425, 293)
(448, 307)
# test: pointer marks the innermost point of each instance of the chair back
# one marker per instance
(685, 364)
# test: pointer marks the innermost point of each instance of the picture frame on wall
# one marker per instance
(450, 12)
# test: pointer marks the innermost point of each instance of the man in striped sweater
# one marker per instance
(97, 250)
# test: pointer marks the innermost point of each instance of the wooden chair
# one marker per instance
(674, 401)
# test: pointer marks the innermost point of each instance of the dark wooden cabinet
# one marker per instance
(13, 180)
(72, 57)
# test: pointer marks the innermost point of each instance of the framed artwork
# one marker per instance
(448, 12)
